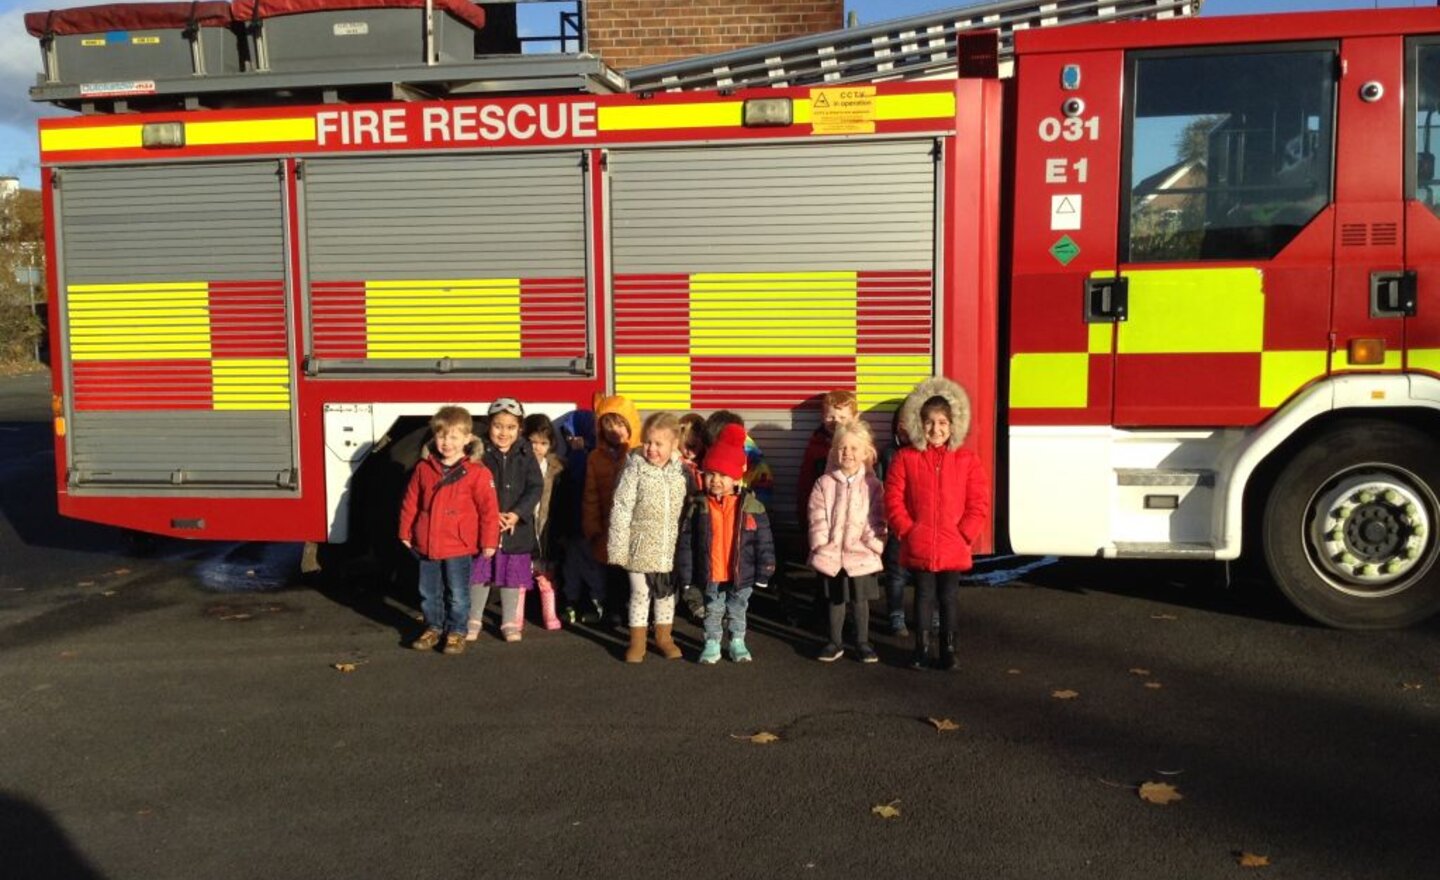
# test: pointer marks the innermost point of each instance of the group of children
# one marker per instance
(676, 510)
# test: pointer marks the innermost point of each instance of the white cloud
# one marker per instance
(19, 65)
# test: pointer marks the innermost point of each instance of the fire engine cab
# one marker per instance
(1189, 270)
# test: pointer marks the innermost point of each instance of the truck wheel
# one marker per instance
(1349, 527)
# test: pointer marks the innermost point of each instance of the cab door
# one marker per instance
(1419, 294)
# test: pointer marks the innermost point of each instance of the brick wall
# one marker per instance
(636, 33)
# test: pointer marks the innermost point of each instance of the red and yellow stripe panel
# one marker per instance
(185, 345)
(481, 318)
(1216, 317)
(771, 339)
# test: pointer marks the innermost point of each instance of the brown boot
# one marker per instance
(666, 643)
(636, 652)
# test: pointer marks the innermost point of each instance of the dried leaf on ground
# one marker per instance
(1153, 685)
(1251, 860)
(345, 667)
(1411, 685)
(1136, 670)
(762, 738)
(943, 724)
(1163, 617)
(887, 811)
(1065, 694)
(107, 593)
(1161, 793)
(85, 584)
(1012, 672)
(237, 616)
(119, 572)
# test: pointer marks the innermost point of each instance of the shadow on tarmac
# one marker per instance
(34, 846)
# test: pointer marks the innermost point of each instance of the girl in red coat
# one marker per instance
(937, 499)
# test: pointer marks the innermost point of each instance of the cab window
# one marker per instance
(1230, 153)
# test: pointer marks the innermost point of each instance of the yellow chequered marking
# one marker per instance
(654, 381)
(116, 322)
(883, 380)
(645, 117)
(1424, 359)
(473, 318)
(249, 131)
(1050, 381)
(97, 137)
(1101, 338)
(1282, 373)
(1194, 311)
(806, 313)
(250, 383)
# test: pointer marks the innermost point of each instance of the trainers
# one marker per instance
(868, 655)
(897, 624)
(513, 635)
(568, 612)
(472, 630)
(593, 615)
(427, 640)
(711, 653)
(830, 653)
(454, 644)
(738, 652)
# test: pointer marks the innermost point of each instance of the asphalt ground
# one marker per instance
(180, 713)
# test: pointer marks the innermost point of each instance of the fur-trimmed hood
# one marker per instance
(936, 386)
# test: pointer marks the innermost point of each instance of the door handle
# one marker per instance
(1107, 300)
(1392, 294)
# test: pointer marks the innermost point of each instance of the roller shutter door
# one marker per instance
(176, 327)
(453, 264)
(758, 278)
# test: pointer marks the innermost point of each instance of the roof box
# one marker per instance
(119, 48)
(286, 36)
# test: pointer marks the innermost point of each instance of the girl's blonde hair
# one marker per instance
(661, 421)
(857, 428)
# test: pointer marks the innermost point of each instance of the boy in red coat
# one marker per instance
(449, 514)
(937, 499)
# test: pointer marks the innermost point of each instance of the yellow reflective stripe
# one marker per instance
(1050, 381)
(144, 321)
(1101, 338)
(249, 131)
(1282, 373)
(883, 380)
(715, 114)
(928, 105)
(807, 313)
(250, 384)
(654, 381)
(95, 137)
(1424, 359)
(471, 317)
(1194, 311)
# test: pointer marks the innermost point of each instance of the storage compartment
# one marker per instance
(295, 35)
(123, 47)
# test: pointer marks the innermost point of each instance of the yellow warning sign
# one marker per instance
(92, 41)
(145, 41)
(843, 110)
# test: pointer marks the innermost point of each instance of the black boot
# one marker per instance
(921, 659)
(947, 652)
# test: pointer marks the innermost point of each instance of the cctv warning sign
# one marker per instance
(845, 110)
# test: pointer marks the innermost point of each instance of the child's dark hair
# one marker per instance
(538, 423)
(936, 403)
(717, 422)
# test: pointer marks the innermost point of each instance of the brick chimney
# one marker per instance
(637, 33)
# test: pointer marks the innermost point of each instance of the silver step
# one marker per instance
(1147, 550)
(903, 48)
(1163, 477)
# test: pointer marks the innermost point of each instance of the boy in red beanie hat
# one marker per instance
(725, 545)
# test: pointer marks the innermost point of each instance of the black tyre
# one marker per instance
(1349, 527)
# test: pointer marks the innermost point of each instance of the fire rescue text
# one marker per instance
(456, 123)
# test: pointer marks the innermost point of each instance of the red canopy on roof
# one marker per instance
(247, 10)
(126, 17)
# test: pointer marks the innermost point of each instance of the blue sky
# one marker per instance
(20, 56)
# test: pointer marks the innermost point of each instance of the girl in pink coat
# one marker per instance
(937, 500)
(847, 536)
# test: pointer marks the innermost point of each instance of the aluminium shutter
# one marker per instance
(175, 320)
(447, 263)
(756, 278)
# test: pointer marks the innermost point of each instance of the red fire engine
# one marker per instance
(1187, 269)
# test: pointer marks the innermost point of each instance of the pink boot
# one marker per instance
(547, 600)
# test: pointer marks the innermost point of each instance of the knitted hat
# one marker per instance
(727, 456)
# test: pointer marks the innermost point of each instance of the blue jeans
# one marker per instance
(723, 598)
(445, 592)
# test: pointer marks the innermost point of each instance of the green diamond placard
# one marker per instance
(1065, 250)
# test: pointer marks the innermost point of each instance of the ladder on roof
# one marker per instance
(921, 46)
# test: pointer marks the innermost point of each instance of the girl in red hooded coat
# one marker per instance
(937, 499)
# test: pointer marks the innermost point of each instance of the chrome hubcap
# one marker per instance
(1370, 531)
